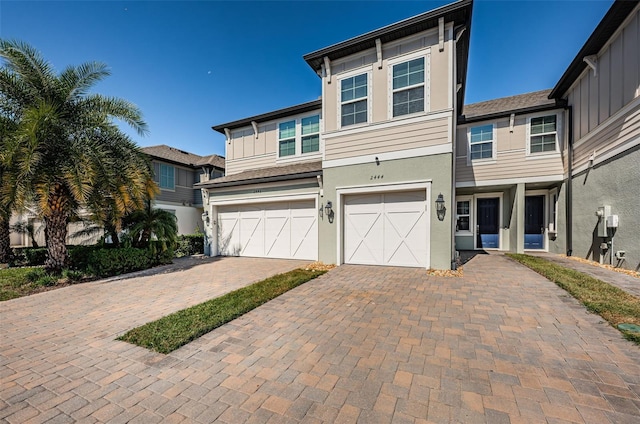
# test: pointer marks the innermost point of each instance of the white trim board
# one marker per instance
(607, 155)
(607, 122)
(400, 154)
(511, 181)
(265, 199)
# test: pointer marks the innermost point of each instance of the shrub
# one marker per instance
(108, 262)
(190, 244)
(35, 274)
(80, 256)
(71, 275)
(28, 256)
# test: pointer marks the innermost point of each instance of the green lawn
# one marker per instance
(611, 303)
(14, 283)
(175, 330)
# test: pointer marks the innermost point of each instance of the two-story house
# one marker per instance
(389, 168)
(176, 171)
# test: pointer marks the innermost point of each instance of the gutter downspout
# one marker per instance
(569, 212)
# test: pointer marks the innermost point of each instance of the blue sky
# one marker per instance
(193, 64)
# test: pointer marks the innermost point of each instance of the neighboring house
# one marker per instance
(361, 175)
(176, 171)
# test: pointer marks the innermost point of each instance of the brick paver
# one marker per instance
(359, 344)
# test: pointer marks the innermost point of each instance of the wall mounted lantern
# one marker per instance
(328, 210)
(205, 217)
(441, 210)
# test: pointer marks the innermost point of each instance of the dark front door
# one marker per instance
(488, 225)
(534, 222)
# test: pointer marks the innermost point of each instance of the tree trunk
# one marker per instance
(5, 240)
(56, 231)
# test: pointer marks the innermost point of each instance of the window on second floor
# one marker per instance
(543, 135)
(167, 177)
(408, 91)
(353, 100)
(481, 142)
(299, 136)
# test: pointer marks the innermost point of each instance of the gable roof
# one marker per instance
(181, 157)
(265, 175)
(522, 103)
(617, 13)
(458, 12)
(269, 116)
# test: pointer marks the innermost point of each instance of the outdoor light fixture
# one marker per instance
(320, 209)
(329, 211)
(205, 217)
(440, 208)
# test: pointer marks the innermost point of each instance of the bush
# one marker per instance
(80, 256)
(73, 276)
(28, 256)
(190, 244)
(116, 261)
(39, 277)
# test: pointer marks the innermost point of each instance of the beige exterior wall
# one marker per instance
(597, 98)
(389, 139)
(245, 151)
(438, 77)
(511, 160)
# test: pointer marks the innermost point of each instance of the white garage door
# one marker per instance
(386, 229)
(286, 230)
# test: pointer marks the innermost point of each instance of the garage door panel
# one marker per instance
(386, 229)
(271, 230)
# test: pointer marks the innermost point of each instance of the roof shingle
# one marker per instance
(507, 105)
(275, 173)
(175, 155)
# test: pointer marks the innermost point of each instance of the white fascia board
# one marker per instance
(511, 181)
(400, 154)
(265, 199)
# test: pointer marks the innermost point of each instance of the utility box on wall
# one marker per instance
(602, 213)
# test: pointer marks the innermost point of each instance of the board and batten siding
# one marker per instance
(183, 191)
(388, 139)
(511, 159)
(612, 135)
(596, 98)
(438, 76)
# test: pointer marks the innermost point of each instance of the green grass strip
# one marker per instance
(611, 303)
(173, 331)
(14, 283)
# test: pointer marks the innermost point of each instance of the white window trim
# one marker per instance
(298, 138)
(555, 152)
(160, 177)
(295, 138)
(494, 146)
(354, 73)
(426, 54)
(468, 232)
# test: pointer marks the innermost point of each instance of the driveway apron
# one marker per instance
(359, 344)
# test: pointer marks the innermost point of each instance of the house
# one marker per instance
(176, 171)
(390, 167)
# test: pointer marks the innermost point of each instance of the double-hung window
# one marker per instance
(543, 134)
(353, 100)
(408, 87)
(167, 177)
(310, 134)
(299, 136)
(463, 215)
(481, 142)
(287, 138)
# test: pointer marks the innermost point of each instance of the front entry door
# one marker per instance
(534, 222)
(488, 225)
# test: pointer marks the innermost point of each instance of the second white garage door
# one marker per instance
(386, 229)
(287, 230)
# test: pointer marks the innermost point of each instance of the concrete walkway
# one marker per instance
(359, 344)
(625, 282)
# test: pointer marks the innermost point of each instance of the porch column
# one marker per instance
(519, 218)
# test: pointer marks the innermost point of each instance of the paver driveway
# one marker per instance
(366, 344)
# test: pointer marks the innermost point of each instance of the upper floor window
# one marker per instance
(299, 136)
(167, 177)
(543, 135)
(287, 138)
(408, 87)
(481, 142)
(353, 100)
(310, 134)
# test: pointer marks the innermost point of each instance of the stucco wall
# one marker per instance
(436, 168)
(615, 183)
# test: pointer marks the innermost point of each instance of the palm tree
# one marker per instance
(151, 224)
(58, 154)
